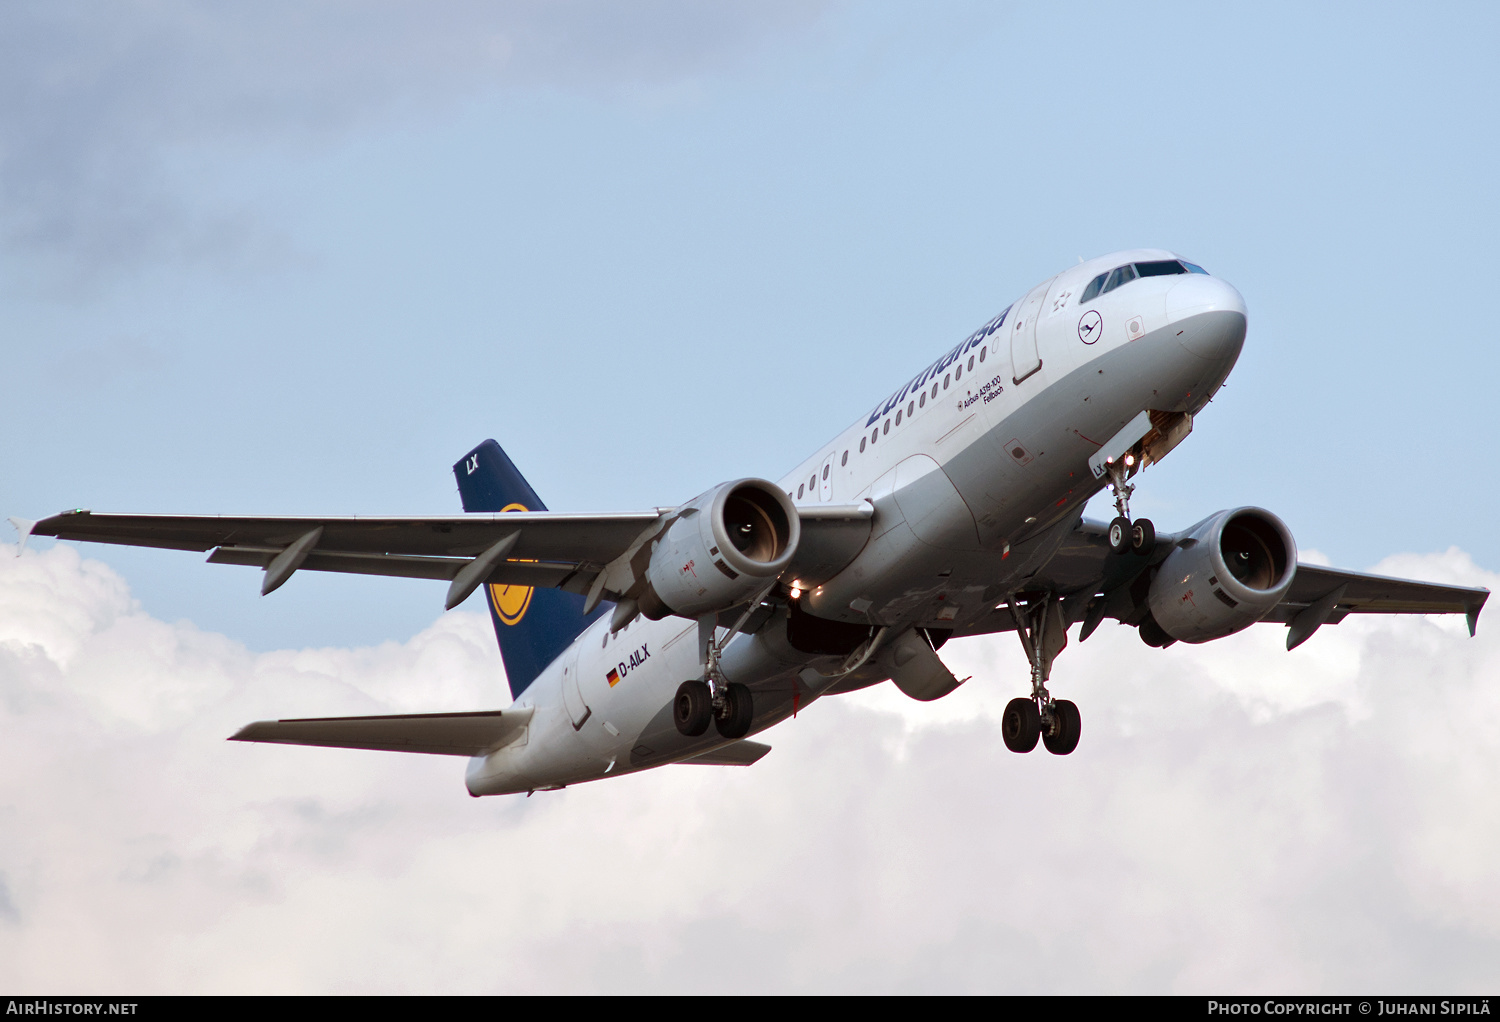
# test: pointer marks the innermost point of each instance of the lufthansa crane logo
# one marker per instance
(510, 602)
(1090, 326)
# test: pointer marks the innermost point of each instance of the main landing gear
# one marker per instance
(727, 704)
(695, 707)
(1043, 633)
(1125, 536)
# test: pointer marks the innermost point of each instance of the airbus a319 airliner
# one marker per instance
(952, 508)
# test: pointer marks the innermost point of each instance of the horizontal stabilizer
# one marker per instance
(441, 734)
(741, 753)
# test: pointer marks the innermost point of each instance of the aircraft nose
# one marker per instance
(1210, 315)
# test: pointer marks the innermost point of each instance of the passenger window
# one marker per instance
(825, 470)
(874, 436)
(799, 492)
(887, 428)
(812, 482)
(971, 363)
(934, 390)
(1164, 268)
(923, 403)
(845, 461)
(861, 445)
(911, 406)
(982, 351)
(898, 416)
(958, 374)
(945, 382)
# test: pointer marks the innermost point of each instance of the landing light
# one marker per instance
(1129, 460)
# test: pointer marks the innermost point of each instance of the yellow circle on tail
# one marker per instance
(510, 602)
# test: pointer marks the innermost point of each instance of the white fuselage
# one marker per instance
(976, 466)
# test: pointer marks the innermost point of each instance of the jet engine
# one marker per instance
(722, 549)
(1228, 573)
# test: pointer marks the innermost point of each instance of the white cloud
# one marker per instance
(1236, 819)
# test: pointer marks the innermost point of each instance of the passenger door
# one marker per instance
(578, 710)
(1024, 358)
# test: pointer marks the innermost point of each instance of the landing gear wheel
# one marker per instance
(1021, 726)
(1067, 725)
(738, 712)
(1143, 537)
(693, 708)
(1119, 535)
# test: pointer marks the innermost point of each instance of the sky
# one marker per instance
(294, 259)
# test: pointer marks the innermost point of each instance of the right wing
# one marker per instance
(551, 550)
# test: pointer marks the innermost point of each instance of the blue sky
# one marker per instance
(292, 258)
(293, 283)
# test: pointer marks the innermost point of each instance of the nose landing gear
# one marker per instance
(1125, 536)
(1044, 634)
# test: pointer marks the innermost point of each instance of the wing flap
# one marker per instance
(442, 734)
(546, 574)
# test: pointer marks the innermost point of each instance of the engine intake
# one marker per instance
(723, 548)
(1230, 571)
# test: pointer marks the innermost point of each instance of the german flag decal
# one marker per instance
(613, 677)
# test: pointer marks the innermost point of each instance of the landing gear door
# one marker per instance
(578, 710)
(1024, 358)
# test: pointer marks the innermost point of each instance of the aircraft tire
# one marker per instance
(739, 711)
(1143, 537)
(1069, 726)
(1021, 726)
(693, 708)
(1119, 535)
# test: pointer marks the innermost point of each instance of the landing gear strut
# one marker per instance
(728, 704)
(1043, 633)
(1137, 537)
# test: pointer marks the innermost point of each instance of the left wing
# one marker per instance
(1083, 567)
(1322, 596)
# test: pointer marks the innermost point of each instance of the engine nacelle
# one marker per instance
(723, 549)
(1230, 571)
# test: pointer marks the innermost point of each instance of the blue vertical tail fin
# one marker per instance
(532, 625)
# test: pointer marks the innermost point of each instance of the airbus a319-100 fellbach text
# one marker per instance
(952, 508)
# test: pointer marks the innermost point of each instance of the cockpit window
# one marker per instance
(1119, 275)
(1164, 268)
(1107, 282)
